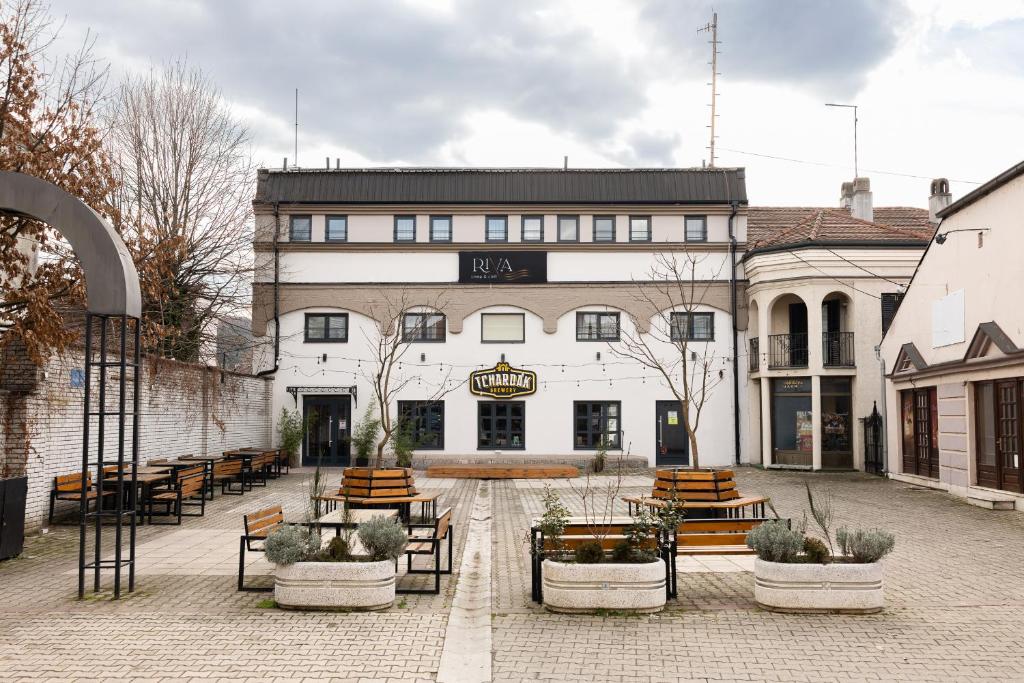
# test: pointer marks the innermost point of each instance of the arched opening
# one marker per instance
(836, 332)
(753, 330)
(787, 338)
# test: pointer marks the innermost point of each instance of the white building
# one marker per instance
(539, 269)
(955, 353)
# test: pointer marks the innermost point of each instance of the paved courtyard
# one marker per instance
(955, 592)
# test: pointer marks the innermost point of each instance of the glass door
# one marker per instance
(327, 434)
(671, 438)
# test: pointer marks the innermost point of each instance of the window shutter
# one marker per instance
(890, 304)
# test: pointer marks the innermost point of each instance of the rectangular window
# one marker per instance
(502, 327)
(596, 423)
(693, 326)
(639, 228)
(336, 229)
(301, 228)
(696, 228)
(423, 327)
(604, 228)
(497, 229)
(440, 228)
(327, 327)
(501, 425)
(890, 304)
(425, 420)
(405, 228)
(568, 228)
(533, 228)
(597, 327)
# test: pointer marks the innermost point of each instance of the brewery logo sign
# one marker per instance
(503, 381)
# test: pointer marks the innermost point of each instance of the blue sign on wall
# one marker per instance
(77, 378)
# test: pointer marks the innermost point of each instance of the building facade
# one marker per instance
(517, 289)
(955, 353)
(823, 284)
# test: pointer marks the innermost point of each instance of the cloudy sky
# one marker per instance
(940, 84)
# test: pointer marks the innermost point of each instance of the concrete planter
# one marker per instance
(359, 586)
(811, 588)
(570, 587)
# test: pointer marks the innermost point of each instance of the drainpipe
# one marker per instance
(277, 297)
(734, 205)
(885, 413)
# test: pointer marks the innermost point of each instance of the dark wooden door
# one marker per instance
(327, 435)
(1008, 434)
(921, 432)
(671, 439)
(986, 447)
(798, 335)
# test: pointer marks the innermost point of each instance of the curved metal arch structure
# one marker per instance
(111, 281)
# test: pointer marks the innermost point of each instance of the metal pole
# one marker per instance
(132, 495)
(123, 381)
(101, 429)
(83, 504)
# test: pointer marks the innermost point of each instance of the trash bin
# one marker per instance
(13, 493)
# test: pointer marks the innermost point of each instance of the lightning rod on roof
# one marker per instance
(856, 170)
(712, 28)
(296, 128)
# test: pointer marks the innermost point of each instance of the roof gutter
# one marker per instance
(733, 305)
(277, 296)
(860, 244)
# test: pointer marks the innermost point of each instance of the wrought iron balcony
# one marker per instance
(787, 351)
(837, 349)
(755, 354)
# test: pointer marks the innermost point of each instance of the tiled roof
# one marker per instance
(769, 227)
(504, 186)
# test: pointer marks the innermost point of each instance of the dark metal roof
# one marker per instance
(979, 192)
(503, 186)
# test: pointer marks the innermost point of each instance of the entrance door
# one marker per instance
(1008, 434)
(673, 444)
(798, 335)
(327, 436)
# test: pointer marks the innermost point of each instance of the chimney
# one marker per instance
(846, 196)
(860, 203)
(939, 199)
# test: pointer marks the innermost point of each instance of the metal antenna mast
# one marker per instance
(296, 128)
(712, 28)
(856, 173)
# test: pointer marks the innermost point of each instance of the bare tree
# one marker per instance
(674, 346)
(50, 127)
(389, 343)
(185, 172)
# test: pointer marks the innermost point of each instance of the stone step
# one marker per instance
(990, 500)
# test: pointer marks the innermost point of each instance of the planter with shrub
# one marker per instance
(795, 572)
(338, 576)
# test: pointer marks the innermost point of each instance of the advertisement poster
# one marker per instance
(804, 431)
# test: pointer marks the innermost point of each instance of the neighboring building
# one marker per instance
(955, 352)
(234, 344)
(536, 268)
(823, 285)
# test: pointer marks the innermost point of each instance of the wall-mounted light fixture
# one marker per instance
(941, 237)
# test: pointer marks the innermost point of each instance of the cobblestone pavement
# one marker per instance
(955, 595)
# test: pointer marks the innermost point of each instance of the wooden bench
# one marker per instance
(69, 487)
(737, 507)
(258, 525)
(497, 471)
(388, 488)
(694, 537)
(179, 494)
(694, 485)
(427, 539)
(228, 472)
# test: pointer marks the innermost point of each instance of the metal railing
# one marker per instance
(837, 349)
(755, 354)
(787, 350)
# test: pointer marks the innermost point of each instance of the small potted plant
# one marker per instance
(338, 576)
(292, 429)
(795, 572)
(364, 437)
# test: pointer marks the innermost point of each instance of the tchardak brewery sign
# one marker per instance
(503, 381)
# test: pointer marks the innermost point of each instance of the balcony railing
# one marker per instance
(787, 350)
(837, 349)
(755, 354)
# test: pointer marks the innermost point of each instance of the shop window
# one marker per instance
(836, 426)
(639, 228)
(604, 228)
(326, 327)
(423, 327)
(693, 326)
(440, 228)
(405, 228)
(792, 421)
(696, 228)
(425, 422)
(501, 425)
(597, 327)
(502, 327)
(301, 228)
(596, 423)
(533, 228)
(336, 229)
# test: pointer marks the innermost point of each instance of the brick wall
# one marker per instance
(183, 409)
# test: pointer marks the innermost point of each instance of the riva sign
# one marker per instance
(503, 267)
(503, 381)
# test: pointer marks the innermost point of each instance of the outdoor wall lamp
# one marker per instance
(940, 238)
(423, 357)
